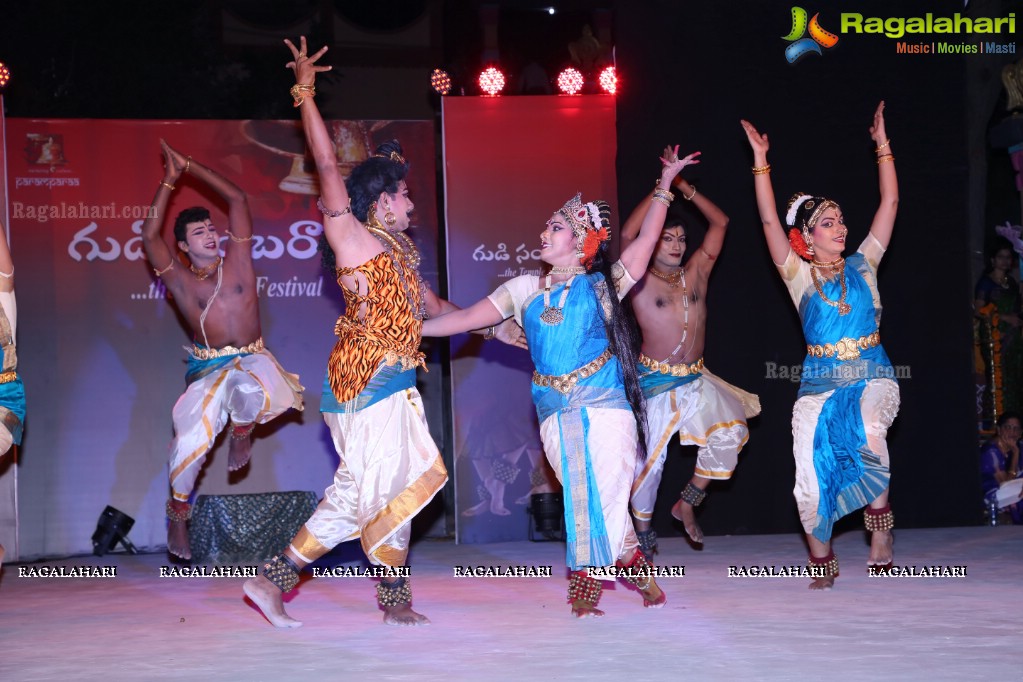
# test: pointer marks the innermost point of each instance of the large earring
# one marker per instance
(390, 218)
(809, 241)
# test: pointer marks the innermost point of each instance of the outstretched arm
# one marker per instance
(479, 315)
(341, 227)
(157, 252)
(507, 332)
(6, 264)
(636, 255)
(884, 219)
(774, 231)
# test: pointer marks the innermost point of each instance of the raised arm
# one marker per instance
(157, 251)
(717, 224)
(6, 264)
(343, 230)
(636, 254)
(884, 219)
(479, 315)
(238, 217)
(774, 231)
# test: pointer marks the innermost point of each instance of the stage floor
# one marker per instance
(139, 626)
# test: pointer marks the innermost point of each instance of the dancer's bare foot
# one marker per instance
(404, 615)
(177, 539)
(684, 512)
(825, 583)
(270, 601)
(584, 609)
(881, 554)
(497, 508)
(653, 596)
(239, 449)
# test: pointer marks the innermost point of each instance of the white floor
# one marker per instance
(139, 626)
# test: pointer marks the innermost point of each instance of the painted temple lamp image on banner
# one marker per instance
(352, 144)
(111, 529)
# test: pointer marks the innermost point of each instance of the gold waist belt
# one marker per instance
(200, 353)
(566, 382)
(406, 361)
(8, 376)
(679, 370)
(845, 349)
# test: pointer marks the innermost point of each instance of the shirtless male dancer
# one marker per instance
(230, 373)
(682, 396)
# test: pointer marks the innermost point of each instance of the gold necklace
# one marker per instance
(671, 278)
(406, 257)
(205, 272)
(839, 265)
(552, 315)
(568, 270)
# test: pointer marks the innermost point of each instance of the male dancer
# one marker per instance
(389, 466)
(230, 373)
(12, 391)
(682, 396)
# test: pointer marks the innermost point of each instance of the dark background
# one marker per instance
(689, 72)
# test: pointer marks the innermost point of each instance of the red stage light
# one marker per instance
(570, 81)
(440, 81)
(608, 80)
(5, 75)
(491, 81)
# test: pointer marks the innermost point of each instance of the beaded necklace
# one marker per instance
(205, 272)
(553, 315)
(671, 278)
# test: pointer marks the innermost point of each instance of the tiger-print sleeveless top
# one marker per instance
(389, 330)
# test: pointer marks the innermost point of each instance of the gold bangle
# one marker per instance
(238, 239)
(661, 200)
(690, 197)
(300, 91)
(188, 162)
(761, 170)
(886, 157)
(490, 333)
(665, 194)
(160, 273)
(167, 185)
(886, 143)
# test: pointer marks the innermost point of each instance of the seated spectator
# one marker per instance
(999, 462)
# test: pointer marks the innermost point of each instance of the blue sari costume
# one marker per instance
(586, 422)
(12, 390)
(848, 396)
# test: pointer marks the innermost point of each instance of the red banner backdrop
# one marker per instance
(509, 164)
(100, 347)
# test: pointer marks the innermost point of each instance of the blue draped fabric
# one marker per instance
(655, 383)
(561, 349)
(849, 474)
(12, 400)
(197, 368)
(388, 380)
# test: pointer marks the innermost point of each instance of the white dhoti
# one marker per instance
(593, 458)
(666, 413)
(249, 389)
(390, 469)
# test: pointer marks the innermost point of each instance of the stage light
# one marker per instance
(548, 511)
(491, 81)
(5, 76)
(112, 528)
(550, 11)
(608, 80)
(440, 81)
(570, 81)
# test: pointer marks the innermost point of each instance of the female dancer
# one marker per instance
(848, 396)
(585, 379)
(12, 391)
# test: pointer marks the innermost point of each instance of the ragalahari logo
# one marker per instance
(801, 46)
